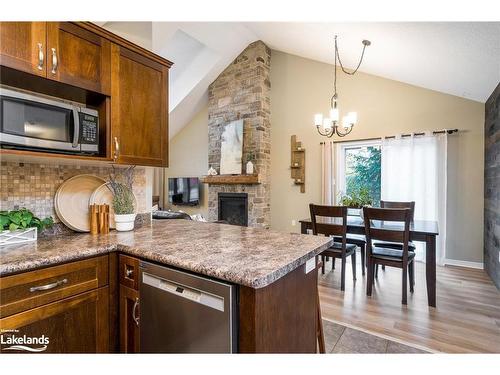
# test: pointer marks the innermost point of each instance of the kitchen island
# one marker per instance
(277, 290)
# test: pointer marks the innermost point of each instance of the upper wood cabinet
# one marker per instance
(60, 51)
(23, 46)
(78, 57)
(139, 114)
(128, 84)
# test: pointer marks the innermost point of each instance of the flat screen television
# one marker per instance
(184, 191)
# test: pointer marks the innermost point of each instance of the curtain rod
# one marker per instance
(448, 131)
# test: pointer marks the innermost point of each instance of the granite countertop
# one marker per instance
(246, 256)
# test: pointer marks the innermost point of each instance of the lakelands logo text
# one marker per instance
(23, 342)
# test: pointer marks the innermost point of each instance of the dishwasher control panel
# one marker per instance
(183, 291)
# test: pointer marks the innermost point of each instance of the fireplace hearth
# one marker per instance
(233, 208)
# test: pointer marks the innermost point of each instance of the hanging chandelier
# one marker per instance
(328, 126)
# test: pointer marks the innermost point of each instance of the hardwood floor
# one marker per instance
(466, 319)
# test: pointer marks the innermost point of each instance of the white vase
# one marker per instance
(249, 167)
(125, 222)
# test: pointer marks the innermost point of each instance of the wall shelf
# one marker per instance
(298, 163)
(225, 179)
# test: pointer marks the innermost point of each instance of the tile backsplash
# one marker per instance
(34, 185)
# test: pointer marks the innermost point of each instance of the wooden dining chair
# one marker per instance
(358, 240)
(378, 228)
(336, 226)
(393, 245)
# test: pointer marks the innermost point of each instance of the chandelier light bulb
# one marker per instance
(346, 122)
(327, 123)
(334, 114)
(353, 117)
(318, 119)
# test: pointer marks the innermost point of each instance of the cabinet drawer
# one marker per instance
(129, 271)
(36, 288)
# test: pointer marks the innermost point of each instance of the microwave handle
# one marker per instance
(76, 134)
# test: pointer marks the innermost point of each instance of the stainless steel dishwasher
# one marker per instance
(185, 313)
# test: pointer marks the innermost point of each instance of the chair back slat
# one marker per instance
(328, 211)
(387, 214)
(329, 229)
(387, 235)
(394, 204)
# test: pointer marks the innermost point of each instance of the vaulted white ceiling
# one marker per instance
(461, 59)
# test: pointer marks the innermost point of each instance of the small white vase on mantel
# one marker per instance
(124, 222)
(249, 167)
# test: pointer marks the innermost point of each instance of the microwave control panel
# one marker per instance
(89, 129)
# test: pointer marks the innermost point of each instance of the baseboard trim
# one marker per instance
(463, 263)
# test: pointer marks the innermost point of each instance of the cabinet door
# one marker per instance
(77, 324)
(23, 46)
(78, 57)
(139, 115)
(129, 320)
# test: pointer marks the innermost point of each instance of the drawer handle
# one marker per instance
(129, 273)
(134, 309)
(48, 286)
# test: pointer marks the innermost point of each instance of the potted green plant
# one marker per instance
(21, 225)
(358, 199)
(123, 198)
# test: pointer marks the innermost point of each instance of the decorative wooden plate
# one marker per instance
(71, 201)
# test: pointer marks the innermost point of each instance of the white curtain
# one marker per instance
(415, 169)
(327, 173)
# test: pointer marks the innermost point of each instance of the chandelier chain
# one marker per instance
(331, 126)
(337, 56)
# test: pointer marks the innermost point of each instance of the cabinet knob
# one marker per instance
(40, 56)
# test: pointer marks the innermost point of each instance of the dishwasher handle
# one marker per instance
(134, 314)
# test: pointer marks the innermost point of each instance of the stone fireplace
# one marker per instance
(242, 91)
(233, 208)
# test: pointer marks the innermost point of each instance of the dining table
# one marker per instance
(424, 231)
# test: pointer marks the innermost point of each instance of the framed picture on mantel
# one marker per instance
(231, 148)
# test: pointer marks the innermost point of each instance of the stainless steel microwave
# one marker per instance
(35, 122)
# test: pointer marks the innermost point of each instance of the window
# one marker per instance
(359, 167)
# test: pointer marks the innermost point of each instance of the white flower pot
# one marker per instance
(124, 223)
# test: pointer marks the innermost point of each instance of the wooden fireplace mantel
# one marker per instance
(228, 179)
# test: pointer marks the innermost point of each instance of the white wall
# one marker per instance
(188, 157)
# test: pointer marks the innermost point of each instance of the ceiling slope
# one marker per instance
(461, 59)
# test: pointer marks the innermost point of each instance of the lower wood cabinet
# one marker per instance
(129, 305)
(68, 304)
(129, 320)
(77, 324)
